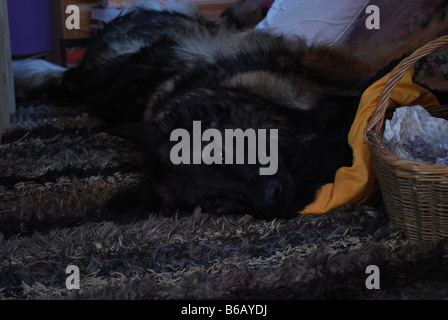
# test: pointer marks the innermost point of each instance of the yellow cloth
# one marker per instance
(356, 184)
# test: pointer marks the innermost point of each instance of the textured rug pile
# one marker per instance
(58, 165)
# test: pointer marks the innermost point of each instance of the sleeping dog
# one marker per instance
(157, 70)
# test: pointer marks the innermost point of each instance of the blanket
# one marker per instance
(357, 183)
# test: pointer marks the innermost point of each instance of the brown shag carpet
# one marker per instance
(58, 165)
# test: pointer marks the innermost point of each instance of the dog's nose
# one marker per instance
(273, 193)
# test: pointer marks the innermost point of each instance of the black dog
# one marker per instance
(151, 72)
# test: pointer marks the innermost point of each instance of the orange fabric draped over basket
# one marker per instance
(356, 184)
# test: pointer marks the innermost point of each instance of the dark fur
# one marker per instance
(188, 69)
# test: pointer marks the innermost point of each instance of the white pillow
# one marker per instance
(313, 20)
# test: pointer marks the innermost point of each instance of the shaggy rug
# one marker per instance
(58, 165)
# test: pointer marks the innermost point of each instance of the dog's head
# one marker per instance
(285, 153)
(227, 160)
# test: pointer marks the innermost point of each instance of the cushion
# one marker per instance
(326, 21)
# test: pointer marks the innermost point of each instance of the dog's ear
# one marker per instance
(150, 132)
(143, 133)
(153, 138)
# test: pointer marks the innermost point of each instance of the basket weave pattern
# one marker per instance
(415, 193)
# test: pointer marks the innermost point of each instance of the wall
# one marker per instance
(30, 26)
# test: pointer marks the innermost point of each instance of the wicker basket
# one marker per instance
(415, 193)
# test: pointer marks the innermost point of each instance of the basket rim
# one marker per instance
(422, 168)
(375, 126)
